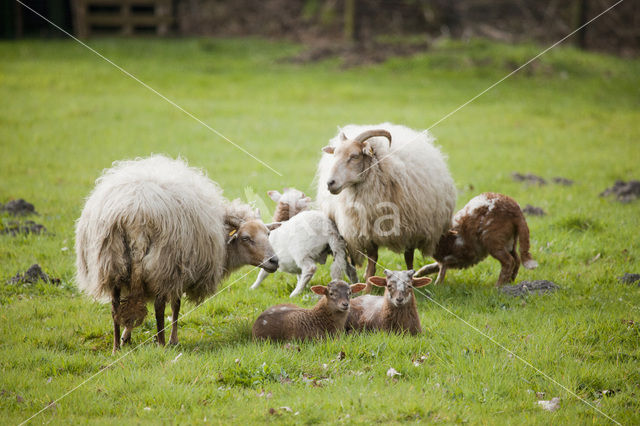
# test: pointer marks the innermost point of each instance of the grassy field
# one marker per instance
(66, 115)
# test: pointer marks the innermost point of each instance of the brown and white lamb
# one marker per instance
(328, 316)
(490, 224)
(395, 311)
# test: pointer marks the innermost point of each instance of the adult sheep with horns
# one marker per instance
(386, 185)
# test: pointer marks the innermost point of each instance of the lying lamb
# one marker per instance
(304, 241)
(489, 224)
(394, 311)
(328, 316)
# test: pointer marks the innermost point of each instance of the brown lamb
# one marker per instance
(328, 316)
(395, 311)
(490, 224)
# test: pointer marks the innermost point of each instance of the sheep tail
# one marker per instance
(340, 265)
(523, 238)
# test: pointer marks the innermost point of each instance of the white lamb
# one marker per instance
(304, 241)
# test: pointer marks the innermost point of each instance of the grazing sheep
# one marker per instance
(395, 311)
(154, 229)
(304, 241)
(328, 316)
(289, 203)
(398, 195)
(489, 224)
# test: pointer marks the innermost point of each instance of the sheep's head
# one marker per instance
(352, 158)
(337, 293)
(289, 203)
(248, 243)
(399, 285)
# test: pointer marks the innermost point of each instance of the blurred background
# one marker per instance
(377, 27)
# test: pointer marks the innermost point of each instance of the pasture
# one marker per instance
(67, 114)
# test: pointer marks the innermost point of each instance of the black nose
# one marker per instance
(331, 183)
(274, 261)
(345, 305)
(400, 299)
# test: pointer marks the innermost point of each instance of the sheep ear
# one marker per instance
(273, 225)
(366, 149)
(355, 288)
(303, 202)
(421, 282)
(343, 137)
(329, 149)
(232, 236)
(319, 289)
(274, 195)
(378, 281)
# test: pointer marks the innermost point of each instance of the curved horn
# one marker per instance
(371, 133)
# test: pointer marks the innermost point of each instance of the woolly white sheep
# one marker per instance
(398, 195)
(304, 241)
(154, 229)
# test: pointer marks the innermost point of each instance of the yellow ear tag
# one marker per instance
(232, 232)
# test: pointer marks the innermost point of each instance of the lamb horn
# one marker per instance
(371, 133)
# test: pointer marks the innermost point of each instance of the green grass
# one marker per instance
(66, 115)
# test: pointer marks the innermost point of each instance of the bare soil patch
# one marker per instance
(353, 55)
(18, 207)
(630, 279)
(32, 276)
(27, 227)
(533, 211)
(625, 192)
(527, 287)
(529, 178)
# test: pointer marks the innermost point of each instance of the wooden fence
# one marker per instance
(122, 17)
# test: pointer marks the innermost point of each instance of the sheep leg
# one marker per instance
(408, 258)
(115, 306)
(308, 269)
(441, 274)
(261, 276)
(508, 264)
(159, 306)
(428, 269)
(516, 267)
(372, 259)
(175, 310)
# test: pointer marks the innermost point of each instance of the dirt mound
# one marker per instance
(562, 181)
(625, 192)
(529, 178)
(32, 276)
(27, 227)
(533, 211)
(630, 279)
(18, 207)
(527, 287)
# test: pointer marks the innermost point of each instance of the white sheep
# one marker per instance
(304, 241)
(154, 229)
(398, 195)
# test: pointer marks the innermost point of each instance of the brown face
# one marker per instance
(338, 294)
(252, 238)
(399, 285)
